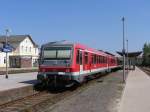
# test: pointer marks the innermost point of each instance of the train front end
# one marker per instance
(55, 64)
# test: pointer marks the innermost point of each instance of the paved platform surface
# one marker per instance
(136, 96)
(18, 70)
(17, 80)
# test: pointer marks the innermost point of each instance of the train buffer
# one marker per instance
(136, 95)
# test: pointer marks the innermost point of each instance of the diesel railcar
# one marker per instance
(68, 63)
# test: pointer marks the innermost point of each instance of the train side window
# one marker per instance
(92, 58)
(106, 60)
(103, 59)
(80, 57)
(100, 59)
(86, 58)
(95, 59)
(77, 57)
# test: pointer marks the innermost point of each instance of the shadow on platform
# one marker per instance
(30, 82)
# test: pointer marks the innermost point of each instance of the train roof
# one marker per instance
(62, 42)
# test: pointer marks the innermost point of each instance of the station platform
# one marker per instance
(16, 86)
(136, 96)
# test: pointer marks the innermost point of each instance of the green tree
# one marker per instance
(146, 54)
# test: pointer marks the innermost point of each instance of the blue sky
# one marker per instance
(95, 23)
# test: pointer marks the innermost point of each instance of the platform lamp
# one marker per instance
(6, 41)
(123, 50)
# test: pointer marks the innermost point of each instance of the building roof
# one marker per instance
(130, 54)
(14, 40)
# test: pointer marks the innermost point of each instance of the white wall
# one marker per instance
(25, 48)
(2, 57)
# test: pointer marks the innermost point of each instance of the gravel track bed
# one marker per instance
(146, 70)
(99, 95)
(103, 95)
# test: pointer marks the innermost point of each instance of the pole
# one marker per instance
(123, 51)
(127, 57)
(6, 41)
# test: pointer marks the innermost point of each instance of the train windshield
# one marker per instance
(57, 53)
(56, 56)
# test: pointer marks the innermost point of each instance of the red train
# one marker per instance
(67, 63)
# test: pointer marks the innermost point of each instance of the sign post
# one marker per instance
(6, 50)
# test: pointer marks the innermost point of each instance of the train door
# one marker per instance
(81, 61)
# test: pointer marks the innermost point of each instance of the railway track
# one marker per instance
(146, 70)
(36, 102)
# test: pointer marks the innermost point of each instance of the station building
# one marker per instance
(134, 58)
(24, 54)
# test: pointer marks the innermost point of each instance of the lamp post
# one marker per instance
(6, 41)
(127, 57)
(123, 51)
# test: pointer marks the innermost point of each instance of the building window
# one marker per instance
(26, 49)
(30, 49)
(22, 48)
(35, 50)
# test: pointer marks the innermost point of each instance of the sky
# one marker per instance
(95, 23)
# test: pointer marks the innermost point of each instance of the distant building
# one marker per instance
(25, 53)
(134, 58)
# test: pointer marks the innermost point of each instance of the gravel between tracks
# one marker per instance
(99, 95)
(102, 96)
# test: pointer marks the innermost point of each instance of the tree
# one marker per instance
(146, 54)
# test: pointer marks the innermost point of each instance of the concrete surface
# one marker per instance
(16, 86)
(18, 70)
(136, 96)
(17, 80)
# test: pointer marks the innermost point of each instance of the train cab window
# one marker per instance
(77, 57)
(86, 58)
